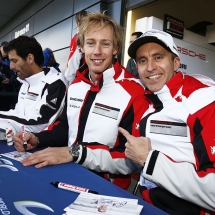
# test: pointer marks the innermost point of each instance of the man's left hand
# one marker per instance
(48, 156)
(6, 81)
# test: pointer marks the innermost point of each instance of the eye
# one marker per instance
(141, 61)
(14, 61)
(106, 44)
(89, 43)
(159, 57)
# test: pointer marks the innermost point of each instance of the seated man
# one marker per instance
(103, 96)
(177, 144)
(42, 95)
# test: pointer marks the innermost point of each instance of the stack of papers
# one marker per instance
(91, 204)
(18, 156)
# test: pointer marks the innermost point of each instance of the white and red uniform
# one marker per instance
(92, 118)
(40, 102)
(180, 123)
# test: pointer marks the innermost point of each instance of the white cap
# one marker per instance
(153, 36)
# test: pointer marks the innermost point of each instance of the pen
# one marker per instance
(72, 188)
(23, 135)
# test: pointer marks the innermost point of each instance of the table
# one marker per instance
(29, 188)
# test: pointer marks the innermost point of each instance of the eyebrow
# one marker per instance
(157, 53)
(12, 58)
(100, 40)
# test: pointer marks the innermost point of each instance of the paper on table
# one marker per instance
(95, 204)
(15, 155)
(76, 212)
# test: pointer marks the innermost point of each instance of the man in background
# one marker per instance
(43, 91)
(9, 85)
(131, 65)
(75, 59)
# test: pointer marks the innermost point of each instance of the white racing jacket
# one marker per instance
(181, 127)
(40, 101)
(93, 116)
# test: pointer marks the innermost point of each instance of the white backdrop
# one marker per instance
(197, 56)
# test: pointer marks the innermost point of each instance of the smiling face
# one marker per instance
(155, 65)
(99, 50)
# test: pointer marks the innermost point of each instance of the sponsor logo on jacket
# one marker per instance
(76, 99)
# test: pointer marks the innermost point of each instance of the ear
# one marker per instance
(30, 58)
(115, 51)
(176, 63)
(82, 49)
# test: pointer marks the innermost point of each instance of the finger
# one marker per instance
(28, 162)
(29, 147)
(125, 133)
(19, 148)
(16, 138)
(36, 157)
(43, 164)
(127, 154)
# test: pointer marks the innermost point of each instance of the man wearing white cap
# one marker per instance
(177, 143)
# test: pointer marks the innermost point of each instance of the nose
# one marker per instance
(151, 65)
(97, 49)
(12, 66)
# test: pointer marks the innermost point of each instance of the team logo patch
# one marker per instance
(106, 111)
(54, 101)
(168, 128)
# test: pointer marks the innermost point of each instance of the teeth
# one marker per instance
(98, 61)
(154, 76)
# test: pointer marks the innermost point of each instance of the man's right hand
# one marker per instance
(31, 139)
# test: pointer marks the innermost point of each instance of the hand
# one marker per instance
(5, 81)
(137, 148)
(48, 156)
(31, 139)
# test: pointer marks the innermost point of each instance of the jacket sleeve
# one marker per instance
(102, 158)
(58, 135)
(192, 182)
(48, 109)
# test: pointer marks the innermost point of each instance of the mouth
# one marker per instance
(153, 77)
(97, 61)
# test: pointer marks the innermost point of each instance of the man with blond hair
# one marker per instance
(103, 96)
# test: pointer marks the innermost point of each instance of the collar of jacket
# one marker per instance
(106, 77)
(173, 85)
(34, 78)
